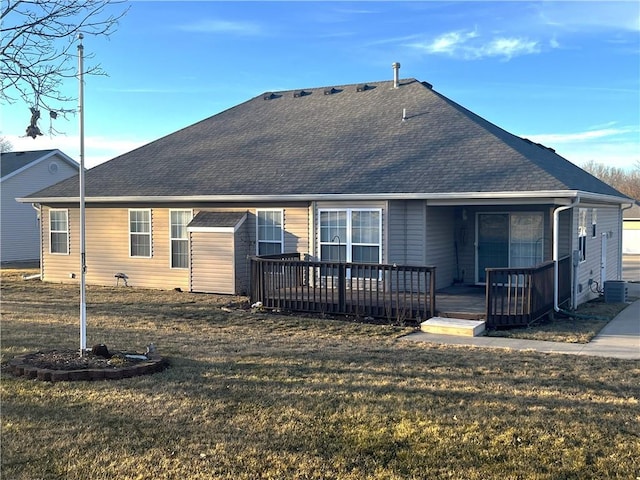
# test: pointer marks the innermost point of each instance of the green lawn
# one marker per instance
(260, 396)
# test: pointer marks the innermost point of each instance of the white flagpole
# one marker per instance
(83, 266)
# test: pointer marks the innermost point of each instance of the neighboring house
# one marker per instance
(22, 174)
(389, 172)
(631, 231)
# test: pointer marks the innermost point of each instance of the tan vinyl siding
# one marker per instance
(212, 255)
(107, 251)
(296, 230)
(440, 244)
(58, 267)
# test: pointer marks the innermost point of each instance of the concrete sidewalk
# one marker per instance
(620, 338)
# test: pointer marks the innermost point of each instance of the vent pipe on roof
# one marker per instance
(396, 73)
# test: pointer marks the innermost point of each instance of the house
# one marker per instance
(631, 231)
(23, 173)
(390, 172)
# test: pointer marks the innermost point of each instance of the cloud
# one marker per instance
(222, 27)
(469, 45)
(97, 150)
(581, 136)
(616, 147)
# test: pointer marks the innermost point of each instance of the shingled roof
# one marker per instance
(14, 162)
(341, 140)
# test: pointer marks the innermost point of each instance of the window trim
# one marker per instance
(582, 234)
(66, 232)
(348, 243)
(171, 239)
(150, 233)
(594, 222)
(258, 241)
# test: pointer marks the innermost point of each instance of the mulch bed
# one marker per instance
(68, 365)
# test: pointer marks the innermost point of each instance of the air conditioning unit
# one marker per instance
(615, 291)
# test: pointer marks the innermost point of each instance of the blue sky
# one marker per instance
(566, 74)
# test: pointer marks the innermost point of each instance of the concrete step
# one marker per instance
(453, 326)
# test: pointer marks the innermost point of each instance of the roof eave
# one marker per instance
(452, 198)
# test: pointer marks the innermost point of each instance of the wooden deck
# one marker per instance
(399, 293)
(467, 302)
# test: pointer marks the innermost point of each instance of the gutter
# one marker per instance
(434, 199)
(556, 223)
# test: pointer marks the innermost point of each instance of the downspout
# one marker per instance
(556, 223)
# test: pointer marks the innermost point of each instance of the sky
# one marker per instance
(562, 73)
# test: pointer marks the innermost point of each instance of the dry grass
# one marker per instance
(589, 319)
(258, 396)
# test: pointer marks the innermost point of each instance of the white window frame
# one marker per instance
(258, 240)
(171, 238)
(594, 223)
(582, 234)
(348, 242)
(149, 233)
(66, 231)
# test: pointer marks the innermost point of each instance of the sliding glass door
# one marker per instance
(508, 240)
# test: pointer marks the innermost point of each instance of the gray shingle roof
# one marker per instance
(216, 219)
(12, 161)
(345, 142)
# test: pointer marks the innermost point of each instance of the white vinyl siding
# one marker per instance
(140, 233)
(179, 239)
(269, 232)
(59, 232)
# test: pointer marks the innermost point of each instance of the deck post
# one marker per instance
(342, 287)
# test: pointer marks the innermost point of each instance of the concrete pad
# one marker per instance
(618, 339)
(453, 326)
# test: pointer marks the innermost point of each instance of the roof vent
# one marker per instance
(269, 96)
(428, 85)
(331, 91)
(300, 93)
(396, 74)
(362, 87)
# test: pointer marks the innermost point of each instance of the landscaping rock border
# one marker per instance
(20, 367)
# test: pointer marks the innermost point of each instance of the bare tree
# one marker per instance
(627, 182)
(36, 50)
(5, 145)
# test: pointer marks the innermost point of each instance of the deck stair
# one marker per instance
(453, 326)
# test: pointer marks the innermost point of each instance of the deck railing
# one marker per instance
(520, 296)
(397, 293)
